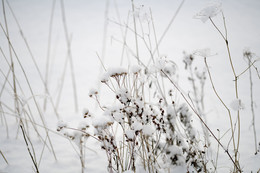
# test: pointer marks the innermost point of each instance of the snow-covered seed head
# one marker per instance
(114, 72)
(61, 125)
(86, 113)
(92, 92)
(169, 69)
(247, 53)
(187, 59)
(170, 92)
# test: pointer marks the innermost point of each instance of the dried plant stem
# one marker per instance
(250, 65)
(135, 31)
(3, 116)
(62, 82)
(82, 154)
(217, 156)
(4, 157)
(48, 53)
(28, 83)
(123, 32)
(169, 25)
(199, 102)
(252, 101)
(34, 62)
(27, 145)
(69, 55)
(11, 57)
(216, 93)
(154, 33)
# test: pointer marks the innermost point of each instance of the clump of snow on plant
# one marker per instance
(123, 95)
(113, 72)
(148, 130)
(60, 125)
(187, 59)
(237, 105)
(176, 155)
(101, 122)
(130, 134)
(136, 125)
(116, 71)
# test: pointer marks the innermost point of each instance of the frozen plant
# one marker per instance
(143, 128)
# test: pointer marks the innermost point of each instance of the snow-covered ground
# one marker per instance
(94, 31)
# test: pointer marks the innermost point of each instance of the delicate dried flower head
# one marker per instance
(202, 52)
(170, 68)
(160, 64)
(208, 12)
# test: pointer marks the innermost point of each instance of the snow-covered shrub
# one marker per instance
(156, 132)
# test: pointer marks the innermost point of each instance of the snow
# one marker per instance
(136, 125)
(148, 130)
(119, 117)
(123, 95)
(86, 29)
(102, 121)
(130, 134)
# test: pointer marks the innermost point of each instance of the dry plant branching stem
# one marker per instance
(196, 113)
(251, 65)
(236, 145)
